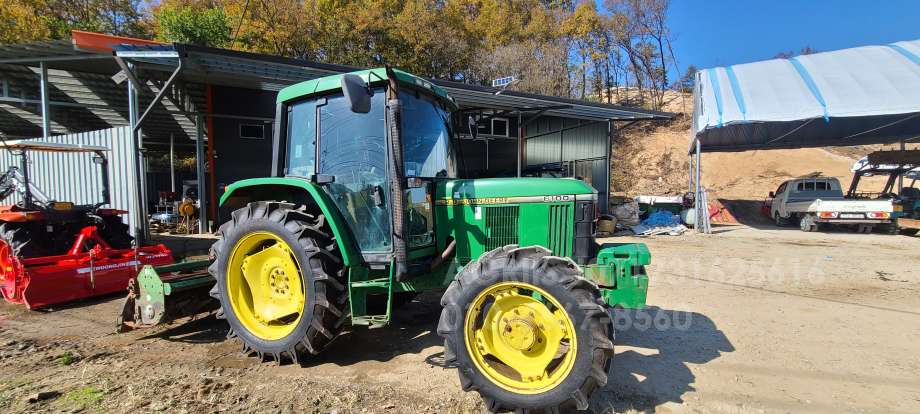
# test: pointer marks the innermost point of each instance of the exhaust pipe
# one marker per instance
(397, 176)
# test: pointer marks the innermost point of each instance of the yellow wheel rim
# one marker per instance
(520, 337)
(265, 286)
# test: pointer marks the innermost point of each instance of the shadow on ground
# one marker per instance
(655, 348)
(202, 330)
(412, 330)
(748, 212)
(657, 370)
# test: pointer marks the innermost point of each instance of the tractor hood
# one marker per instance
(500, 190)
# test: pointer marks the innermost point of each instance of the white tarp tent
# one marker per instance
(847, 97)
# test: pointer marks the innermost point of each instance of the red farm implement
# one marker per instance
(53, 252)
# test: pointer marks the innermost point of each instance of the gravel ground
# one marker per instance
(745, 320)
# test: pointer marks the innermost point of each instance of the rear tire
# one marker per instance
(808, 224)
(891, 229)
(116, 233)
(321, 275)
(19, 238)
(561, 281)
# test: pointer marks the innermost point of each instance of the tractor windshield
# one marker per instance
(352, 148)
(426, 137)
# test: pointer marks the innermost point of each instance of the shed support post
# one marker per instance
(172, 163)
(142, 226)
(605, 208)
(140, 216)
(43, 89)
(901, 176)
(520, 143)
(690, 174)
(199, 169)
(698, 211)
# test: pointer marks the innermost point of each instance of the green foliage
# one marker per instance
(204, 27)
(83, 398)
(617, 52)
(66, 359)
(30, 20)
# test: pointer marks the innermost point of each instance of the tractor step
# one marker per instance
(382, 283)
(359, 291)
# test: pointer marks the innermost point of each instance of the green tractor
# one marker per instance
(364, 209)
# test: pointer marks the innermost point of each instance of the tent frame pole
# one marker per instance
(699, 192)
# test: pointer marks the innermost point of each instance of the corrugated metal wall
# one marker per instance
(588, 141)
(583, 150)
(75, 178)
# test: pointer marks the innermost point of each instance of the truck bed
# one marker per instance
(840, 205)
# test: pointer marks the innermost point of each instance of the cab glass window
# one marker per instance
(352, 148)
(426, 137)
(301, 138)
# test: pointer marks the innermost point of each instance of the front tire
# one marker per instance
(526, 331)
(280, 281)
(779, 221)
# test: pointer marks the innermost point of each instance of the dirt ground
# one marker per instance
(745, 320)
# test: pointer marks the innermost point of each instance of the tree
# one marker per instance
(30, 20)
(807, 50)
(571, 48)
(22, 22)
(194, 25)
(688, 79)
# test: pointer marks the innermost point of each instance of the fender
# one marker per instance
(294, 190)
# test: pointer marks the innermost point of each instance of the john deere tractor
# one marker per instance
(364, 208)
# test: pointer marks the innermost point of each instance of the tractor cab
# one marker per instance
(339, 136)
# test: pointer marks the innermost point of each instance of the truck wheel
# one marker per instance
(280, 281)
(779, 221)
(891, 229)
(808, 223)
(526, 331)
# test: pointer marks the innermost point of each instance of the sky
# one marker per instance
(709, 33)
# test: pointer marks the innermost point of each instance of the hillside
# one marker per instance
(652, 159)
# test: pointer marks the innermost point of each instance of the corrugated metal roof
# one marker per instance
(273, 73)
(44, 50)
(85, 98)
(475, 96)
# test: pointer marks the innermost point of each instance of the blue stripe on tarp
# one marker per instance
(736, 90)
(714, 81)
(811, 85)
(908, 54)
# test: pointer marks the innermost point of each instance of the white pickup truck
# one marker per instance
(813, 202)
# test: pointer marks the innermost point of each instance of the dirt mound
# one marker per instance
(651, 158)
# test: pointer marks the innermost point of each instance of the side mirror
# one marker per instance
(772, 194)
(473, 126)
(358, 94)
